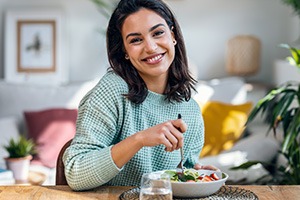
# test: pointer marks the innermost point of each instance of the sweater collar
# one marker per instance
(156, 98)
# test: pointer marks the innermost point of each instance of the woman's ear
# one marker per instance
(173, 35)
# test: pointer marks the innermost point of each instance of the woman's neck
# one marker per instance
(157, 85)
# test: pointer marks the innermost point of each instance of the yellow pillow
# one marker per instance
(224, 124)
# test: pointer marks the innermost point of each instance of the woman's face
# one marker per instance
(148, 42)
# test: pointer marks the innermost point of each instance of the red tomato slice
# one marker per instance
(214, 176)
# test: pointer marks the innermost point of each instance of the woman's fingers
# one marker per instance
(207, 167)
(177, 136)
(180, 125)
(174, 135)
(169, 134)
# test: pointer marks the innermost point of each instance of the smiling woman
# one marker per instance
(127, 124)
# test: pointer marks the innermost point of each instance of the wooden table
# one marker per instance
(112, 193)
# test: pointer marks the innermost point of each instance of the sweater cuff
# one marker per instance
(112, 161)
(109, 168)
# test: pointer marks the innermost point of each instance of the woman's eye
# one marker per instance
(157, 33)
(135, 40)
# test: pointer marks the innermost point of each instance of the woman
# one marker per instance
(127, 125)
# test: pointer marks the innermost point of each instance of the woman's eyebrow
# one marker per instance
(133, 34)
(154, 27)
(151, 29)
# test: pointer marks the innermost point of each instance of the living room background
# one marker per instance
(207, 26)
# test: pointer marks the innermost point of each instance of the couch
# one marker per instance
(45, 113)
(27, 109)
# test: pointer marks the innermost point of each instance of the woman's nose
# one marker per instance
(150, 45)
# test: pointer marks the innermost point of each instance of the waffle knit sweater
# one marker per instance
(106, 117)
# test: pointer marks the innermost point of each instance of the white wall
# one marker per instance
(206, 24)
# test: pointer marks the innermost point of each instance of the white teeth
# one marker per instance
(154, 59)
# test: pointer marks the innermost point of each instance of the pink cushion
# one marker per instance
(50, 129)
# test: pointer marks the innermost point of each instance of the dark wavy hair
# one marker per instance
(180, 82)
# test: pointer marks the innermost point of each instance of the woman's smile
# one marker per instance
(155, 59)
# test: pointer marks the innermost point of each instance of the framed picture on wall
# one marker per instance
(36, 43)
(34, 47)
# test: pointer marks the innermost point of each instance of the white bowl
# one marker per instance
(199, 189)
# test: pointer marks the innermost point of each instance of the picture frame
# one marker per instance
(35, 47)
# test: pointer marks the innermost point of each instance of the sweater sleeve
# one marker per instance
(88, 161)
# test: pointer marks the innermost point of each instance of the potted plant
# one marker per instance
(20, 153)
(282, 107)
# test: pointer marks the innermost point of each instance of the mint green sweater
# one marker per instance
(105, 117)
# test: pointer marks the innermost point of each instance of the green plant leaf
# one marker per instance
(287, 120)
(20, 148)
(292, 131)
(264, 103)
(282, 105)
(246, 165)
(294, 59)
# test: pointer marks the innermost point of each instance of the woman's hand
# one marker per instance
(207, 167)
(168, 133)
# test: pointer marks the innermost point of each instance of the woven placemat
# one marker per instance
(225, 192)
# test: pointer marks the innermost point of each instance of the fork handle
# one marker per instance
(181, 149)
(181, 153)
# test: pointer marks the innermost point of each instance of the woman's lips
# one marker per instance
(153, 59)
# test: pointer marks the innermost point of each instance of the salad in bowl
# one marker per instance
(192, 175)
(196, 183)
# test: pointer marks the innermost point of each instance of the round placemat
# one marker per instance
(225, 192)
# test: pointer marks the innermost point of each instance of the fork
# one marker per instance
(180, 165)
